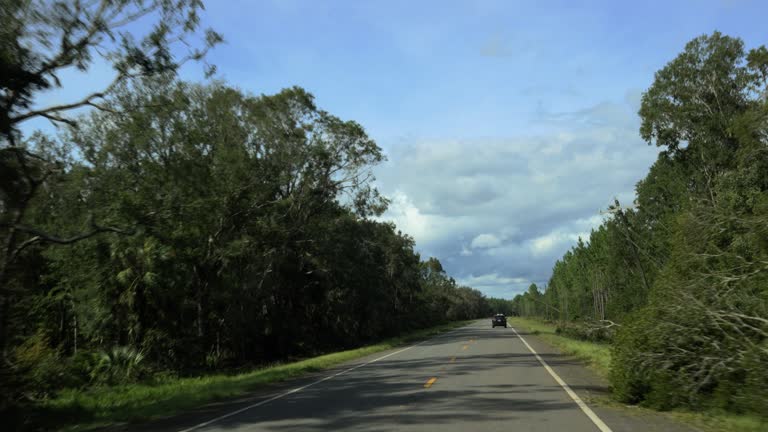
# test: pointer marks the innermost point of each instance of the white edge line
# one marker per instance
(298, 389)
(587, 410)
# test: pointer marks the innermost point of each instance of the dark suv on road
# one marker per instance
(499, 320)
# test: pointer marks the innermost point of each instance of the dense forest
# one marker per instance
(178, 227)
(678, 281)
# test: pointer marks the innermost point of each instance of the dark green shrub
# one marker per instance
(628, 378)
(120, 365)
(592, 331)
(79, 368)
(39, 366)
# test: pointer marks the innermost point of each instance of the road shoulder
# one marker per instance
(189, 419)
(595, 391)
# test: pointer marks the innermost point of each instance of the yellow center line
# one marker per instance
(429, 382)
(453, 359)
(465, 347)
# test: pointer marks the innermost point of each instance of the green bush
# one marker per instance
(639, 375)
(669, 389)
(628, 377)
(39, 366)
(587, 331)
(79, 368)
(745, 390)
(120, 365)
(42, 369)
(659, 358)
(754, 393)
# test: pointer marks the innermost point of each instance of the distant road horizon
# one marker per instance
(474, 378)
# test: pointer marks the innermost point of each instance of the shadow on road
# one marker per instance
(391, 391)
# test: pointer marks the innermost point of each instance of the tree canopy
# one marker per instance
(177, 227)
(246, 237)
(682, 272)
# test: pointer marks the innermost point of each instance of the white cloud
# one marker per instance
(562, 237)
(407, 216)
(507, 208)
(425, 227)
(546, 243)
(484, 241)
(493, 279)
(496, 285)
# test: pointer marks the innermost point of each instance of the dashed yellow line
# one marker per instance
(465, 347)
(429, 382)
(453, 359)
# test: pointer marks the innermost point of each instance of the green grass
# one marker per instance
(598, 357)
(720, 422)
(705, 421)
(101, 406)
(595, 355)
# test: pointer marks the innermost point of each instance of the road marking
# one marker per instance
(465, 347)
(453, 359)
(588, 411)
(429, 382)
(298, 389)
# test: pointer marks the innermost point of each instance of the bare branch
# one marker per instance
(42, 237)
(45, 112)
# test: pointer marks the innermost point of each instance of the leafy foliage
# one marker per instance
(254, 240)
(38, 40)
(682, 274)
(118, 365)
(180, 228)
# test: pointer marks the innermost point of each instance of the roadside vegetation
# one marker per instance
(174, 237)
(677, 281)
(175, 230)
(104, 405)
(597, 356)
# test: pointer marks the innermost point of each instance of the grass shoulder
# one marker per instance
(597, 356)
(102, 406)
(704, 421)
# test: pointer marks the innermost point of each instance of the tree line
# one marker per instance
(180, 227)
(678, 281)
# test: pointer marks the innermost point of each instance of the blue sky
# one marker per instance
(462, 68)
(508, 125)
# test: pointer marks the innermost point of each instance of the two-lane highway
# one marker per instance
(473, 378)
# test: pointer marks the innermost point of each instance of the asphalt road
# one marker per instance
(472, 379)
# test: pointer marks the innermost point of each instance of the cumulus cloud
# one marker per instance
(561, 237)
(484, 241)
(499, 212)
(496, 285)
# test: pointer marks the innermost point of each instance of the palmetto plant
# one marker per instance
(118, 365)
